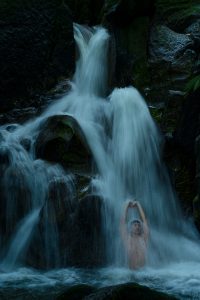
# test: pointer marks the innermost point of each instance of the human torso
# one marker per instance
(136, 251)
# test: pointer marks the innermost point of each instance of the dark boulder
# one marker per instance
(53, 234)
(89, 244)
(62, 140)
(36, 49)
(196, 201)
(76, 292)
(127, 291)
(171, 61)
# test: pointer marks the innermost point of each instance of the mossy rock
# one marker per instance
(62, 140)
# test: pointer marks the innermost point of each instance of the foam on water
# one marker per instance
(179, 279)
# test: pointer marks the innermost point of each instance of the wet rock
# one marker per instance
(83, 185)
(18, 115)
(171, 60)
(26, 143)
(180, 154)
(167, 45)
(53, 235)
(197, 148)
(131, 57)
(196, 211)
(59, 203)
(128, 291)
(128, 21)
(88, 245)
(36, 49)
(12, 127)
(188, 127)
(76, 292)
(62, 140)
(194, 32)
(4, 156)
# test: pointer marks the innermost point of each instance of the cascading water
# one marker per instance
(126, 147)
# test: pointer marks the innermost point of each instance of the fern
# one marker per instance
(193, 84)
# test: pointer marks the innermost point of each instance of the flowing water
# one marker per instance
(127, 149)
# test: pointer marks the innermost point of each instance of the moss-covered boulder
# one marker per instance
(36, 49)
(62, 140)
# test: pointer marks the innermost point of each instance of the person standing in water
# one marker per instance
(135, 237)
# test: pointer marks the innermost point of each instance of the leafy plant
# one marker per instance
(193, 84)
(177, 10)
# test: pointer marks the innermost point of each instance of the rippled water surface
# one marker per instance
(181, 280)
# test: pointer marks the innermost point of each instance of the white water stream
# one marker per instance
(126, 146)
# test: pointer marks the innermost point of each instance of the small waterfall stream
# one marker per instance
(126, 146)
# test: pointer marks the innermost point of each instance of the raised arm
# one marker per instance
(123, 227)
(143, 217)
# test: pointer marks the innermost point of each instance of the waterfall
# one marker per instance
(126, 146)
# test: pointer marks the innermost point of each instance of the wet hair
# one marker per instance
(136, 221)
(132, 222)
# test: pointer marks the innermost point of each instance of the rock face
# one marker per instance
(171, 57)
(36, 49)
(69, 232)
(61, 140)
(129, 23)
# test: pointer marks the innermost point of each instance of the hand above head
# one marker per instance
(132, 203)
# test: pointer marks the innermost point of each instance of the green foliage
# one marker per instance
(177, 10)
(193, 84)
(157, 114)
